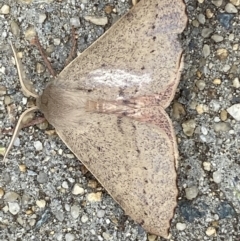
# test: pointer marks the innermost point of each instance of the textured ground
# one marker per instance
(38, 186)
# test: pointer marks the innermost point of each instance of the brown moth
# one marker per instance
(108, 108)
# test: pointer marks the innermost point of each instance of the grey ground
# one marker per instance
(41, 178)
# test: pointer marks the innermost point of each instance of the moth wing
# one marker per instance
(139, 55)
(132, 158)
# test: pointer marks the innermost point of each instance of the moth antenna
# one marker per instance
(19, 69)
(18, 128)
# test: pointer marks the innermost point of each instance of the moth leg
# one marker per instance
(35, 41)
(72, 53)
(18, 127)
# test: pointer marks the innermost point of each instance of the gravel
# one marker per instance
(45, 190)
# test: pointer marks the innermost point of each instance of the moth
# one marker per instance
(108, 107)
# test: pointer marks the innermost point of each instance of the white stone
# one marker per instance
(234, 111)
(210, 231)
(230, 8)
(5, 9)
(84, 218)
(14, 208)
(191, 192)
(181, 226)
(236, 83)
(207, 166)
(217, 177)
(69, 237)
(41, 203)
(75, 211)
(77, 189)
(42, 17)
(38, 145)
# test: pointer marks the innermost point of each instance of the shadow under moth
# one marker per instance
(108, 105)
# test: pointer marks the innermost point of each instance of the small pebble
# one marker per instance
(222, 54)
(5, 9)
(178, 110)
(108, 9)
(181, 226)
(2, 150)
(7, 100)
(30, 33)
(84, 218)
(22, 168)
(226, 68)
(191, 192)
(1, 192)
(200, 84)
(152, 237)
(201, 18)
(100, 213)
(223, 115)
(42, 177)
(217, 3)
(15, 28)
(38, 145)
(225, 19)
(75, 211)
(41, 203)
(56, 41)
(94, 197)
(97, 20)
(235, 47)
(40, 68)
(217, 176)
(77, 189)
(204, 130)
(202, 109)
(14, 208)
(3, 90)
(206, 50)
(42, 17)
(221, 127)
(211, 231)
(69, 237)
(92, 183)
(230, 8)
(217, 81)
(209, 13)
(206, 32)
(65, 185)
(11, 196)
(234, 111)
(75, 22)
(189, 127)
(207, 166)
(235, 2)
(236, 83)
(16, 142)
(217, 38)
